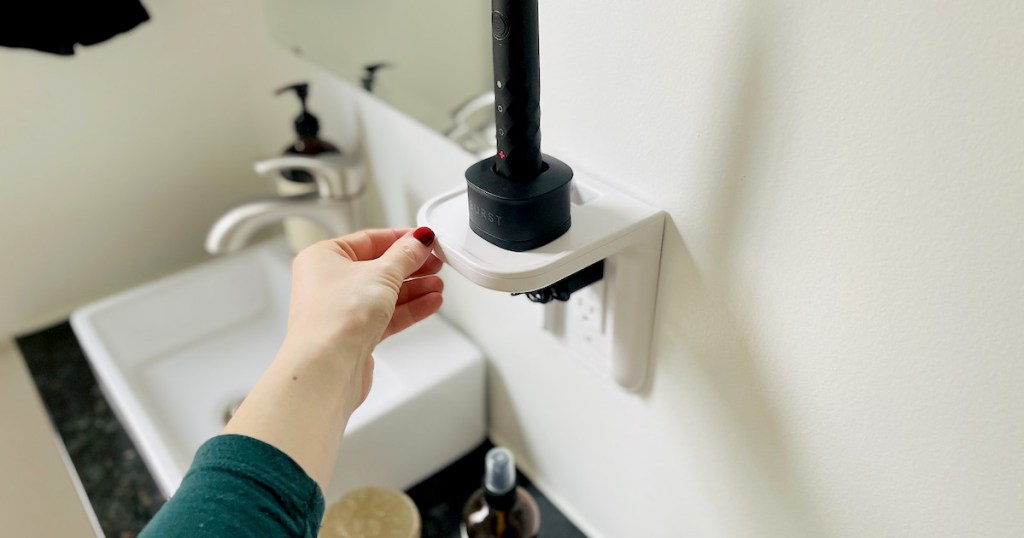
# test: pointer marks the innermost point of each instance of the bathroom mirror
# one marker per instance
(435, 56)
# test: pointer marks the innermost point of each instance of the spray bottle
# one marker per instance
(500, 509)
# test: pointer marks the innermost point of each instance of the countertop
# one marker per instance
(124, 495)
(39, 495)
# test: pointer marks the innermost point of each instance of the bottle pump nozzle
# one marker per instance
(306, 124)
(500, 478)
(370, 74)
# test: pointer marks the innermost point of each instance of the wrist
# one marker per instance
(335, 373)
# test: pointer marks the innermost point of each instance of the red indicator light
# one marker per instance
(501, 154)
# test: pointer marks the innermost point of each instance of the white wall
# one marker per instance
(114, 163)
(839, 341)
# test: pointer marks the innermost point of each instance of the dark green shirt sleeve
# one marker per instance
(240, 486)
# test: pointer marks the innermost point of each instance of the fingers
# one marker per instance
(371, 244)
(368, 244)
(429, 267)
(413, 311)
(406, 254)
(413, 289)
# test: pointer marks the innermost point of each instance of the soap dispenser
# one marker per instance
(500, 509)
(307, 130)
(292, 182)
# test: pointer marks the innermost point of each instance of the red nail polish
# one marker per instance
(424, 235)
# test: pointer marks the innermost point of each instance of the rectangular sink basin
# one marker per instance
(174, 357)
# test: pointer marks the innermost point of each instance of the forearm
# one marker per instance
(302, 404)
(239, 486)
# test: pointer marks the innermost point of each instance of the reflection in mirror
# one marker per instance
(432, 60)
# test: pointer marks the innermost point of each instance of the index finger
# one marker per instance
(368, 244)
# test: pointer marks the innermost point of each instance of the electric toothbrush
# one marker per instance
(518, 198)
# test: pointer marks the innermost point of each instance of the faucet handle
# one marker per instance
(326, 171)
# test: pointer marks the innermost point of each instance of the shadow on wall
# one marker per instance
(698, 334)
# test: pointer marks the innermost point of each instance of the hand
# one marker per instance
(347, 294)
(351, 292)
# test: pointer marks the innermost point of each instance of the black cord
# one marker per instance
(563, 289)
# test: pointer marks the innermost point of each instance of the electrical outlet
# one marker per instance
(584, 326)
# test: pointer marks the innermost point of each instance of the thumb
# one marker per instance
(408, 253)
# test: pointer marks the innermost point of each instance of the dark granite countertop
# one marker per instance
(122, 491)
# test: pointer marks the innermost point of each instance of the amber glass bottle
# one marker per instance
(500, 509)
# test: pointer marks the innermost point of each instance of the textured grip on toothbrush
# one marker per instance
(516, 50)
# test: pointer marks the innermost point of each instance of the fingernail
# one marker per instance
(424, 235)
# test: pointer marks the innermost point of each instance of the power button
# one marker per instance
(499, 24)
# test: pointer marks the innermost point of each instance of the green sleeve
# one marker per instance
(240, 486)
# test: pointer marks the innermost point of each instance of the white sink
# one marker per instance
(174, 355)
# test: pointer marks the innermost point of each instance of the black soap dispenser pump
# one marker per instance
(500, 509)
(307, 130)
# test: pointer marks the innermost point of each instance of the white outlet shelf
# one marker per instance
(606, 225)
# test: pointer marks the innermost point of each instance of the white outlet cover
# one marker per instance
(583, 328)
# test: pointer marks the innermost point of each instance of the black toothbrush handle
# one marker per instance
(518, 200)
(516, 47)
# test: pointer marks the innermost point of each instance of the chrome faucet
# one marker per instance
(336, 205)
